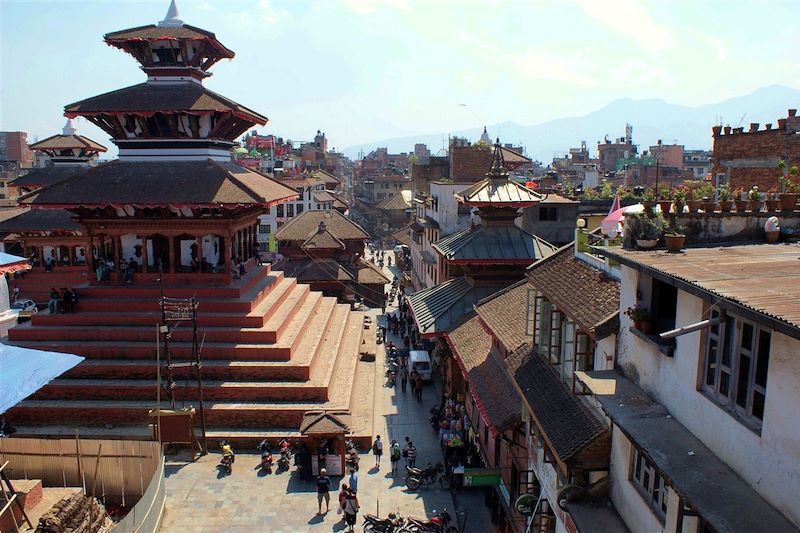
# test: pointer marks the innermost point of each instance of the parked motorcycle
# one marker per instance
(226, 465)
(266, 457)
(391, 377)
(438, 523)
(376, 524)
(419, 477)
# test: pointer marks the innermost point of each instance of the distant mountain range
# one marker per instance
(651, 120)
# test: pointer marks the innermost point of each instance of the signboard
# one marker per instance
(272, 244)
(482, 477)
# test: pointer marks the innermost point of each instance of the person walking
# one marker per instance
(394, 455)
(403, 377)
(413, 378)
(377, 450)
(412, 454)
(353, 480)
(418, 389)
(342, 495)
(351, 507)
(323, 491)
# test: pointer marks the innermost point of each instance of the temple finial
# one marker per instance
(69, 128)
(497, 170)
(172, 20)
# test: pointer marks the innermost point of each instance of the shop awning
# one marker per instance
(24, 371)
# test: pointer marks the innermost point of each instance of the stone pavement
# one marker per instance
(247, 501)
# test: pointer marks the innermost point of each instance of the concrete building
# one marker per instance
(609, 153)
(438, 215)
(703, 437)
(553, 219)
(698, 162)
(668, 155)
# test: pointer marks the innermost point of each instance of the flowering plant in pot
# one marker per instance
(790, 187)
(649, 198)
(642, 319)
(679, 196)
(771, 199)
(754, 202)
(644, 230)
(740, 200)
(724, 197)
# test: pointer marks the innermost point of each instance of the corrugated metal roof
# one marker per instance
(762, 277)
(437, 309)
(499, 192)
(501, 242)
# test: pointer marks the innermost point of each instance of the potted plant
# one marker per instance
(664, 201)
(790, 187)
(648, 199)
(696, 200)
(642, 319)
(771, 199)
(706, 191)
(740, 200)
(675, 238)
(724, 196)
(754, 202)
(679, 199)
(644, 230)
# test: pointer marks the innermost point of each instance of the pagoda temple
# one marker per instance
(174, 209)
(484, 258)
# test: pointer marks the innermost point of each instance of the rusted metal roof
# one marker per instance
(435, 310)
(500, 244)
(762, 277)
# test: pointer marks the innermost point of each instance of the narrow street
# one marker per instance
(246, 501)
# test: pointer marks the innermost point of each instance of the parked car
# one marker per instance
(24, 308)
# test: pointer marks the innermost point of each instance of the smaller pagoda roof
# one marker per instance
(307, 223)
(497, 244)
(36, 220)
(325, 423)
(65, 141)
(153, 32)
(323, 239)
(497, 189)
(165, 183)
(146, 99)
(370, 274)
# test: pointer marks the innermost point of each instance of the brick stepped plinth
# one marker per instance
(36, 283)
(271, 349)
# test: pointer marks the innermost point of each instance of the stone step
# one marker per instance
(340, 385)
(213, 369)
(134, 413)
(186, 390)
(328, 349)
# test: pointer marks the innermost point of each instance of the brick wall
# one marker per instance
(469, 163)
(750, 156)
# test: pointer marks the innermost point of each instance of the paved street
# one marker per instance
(246, 501)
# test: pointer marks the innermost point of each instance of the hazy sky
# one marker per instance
(364, 70)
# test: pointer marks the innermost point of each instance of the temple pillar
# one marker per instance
(199, 243)
(116, 240)
(144, 255)
(171, 241)
(71, 254)
(90, 256)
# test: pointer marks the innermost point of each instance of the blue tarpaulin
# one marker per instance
(24, 371)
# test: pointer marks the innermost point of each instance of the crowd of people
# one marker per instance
(62, 300)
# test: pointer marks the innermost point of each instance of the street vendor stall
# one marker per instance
(326, 431)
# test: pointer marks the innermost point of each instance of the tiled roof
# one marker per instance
(152, 97)
(151, 184)
(153, 32)
(41, 177)
(369, 273)
(494, 242)
(498, 192)
(437, 309)
(427, 223)
(494, 393)
(505, 314)
(322, 196)
(403, 235)
(398, 202)
(311, 270)
(762, 277)
(301, 226)
(323, 239)
(322, 423)
(567, 423)
(40, 220)
(512, 157)
(585, 294)
(552, 198)
(61, 142)
(324, 176)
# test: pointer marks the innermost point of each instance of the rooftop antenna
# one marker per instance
(741, 119)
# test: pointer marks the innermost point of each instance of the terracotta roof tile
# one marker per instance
(504, 313)
(41, 220)
(494, 392)
(152, 97)
(567, 423)
(321, 423)
(301, 226)
(41, 177)
(585, 294)
(203, 183)
(60, 142)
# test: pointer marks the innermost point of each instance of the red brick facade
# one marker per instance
(750, 157)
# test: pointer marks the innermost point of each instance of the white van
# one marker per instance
(420, 361)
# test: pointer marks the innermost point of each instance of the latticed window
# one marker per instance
(736, 366)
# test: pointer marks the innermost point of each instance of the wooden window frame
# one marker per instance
(649, 483)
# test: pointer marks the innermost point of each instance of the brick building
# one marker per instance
(747, 158)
